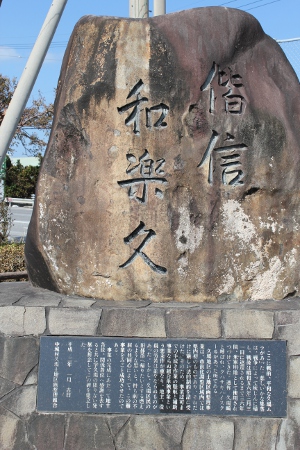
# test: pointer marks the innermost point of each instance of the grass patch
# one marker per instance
(12, 258)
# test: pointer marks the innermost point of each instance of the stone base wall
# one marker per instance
(26, 313)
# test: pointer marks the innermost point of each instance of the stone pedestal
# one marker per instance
(27, 313)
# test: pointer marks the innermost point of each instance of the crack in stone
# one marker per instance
(9, 394)
(66, 430)
(222, 319)
(98, 330)
(111, 433)
(24, 320)
(144, 306)
(47, 313)
(11, 381)
(97, 274)
(234, 436)
(19, 299)
(14, 414)
(276, 328)
(28, 375)
(123, 426)
(278, 434)
(183, 433)
(167, 329)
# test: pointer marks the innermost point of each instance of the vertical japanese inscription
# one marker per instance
(225, 96)
(138, 251)
(163, 376)
(145, 170)
(150, 172)
(161, 110)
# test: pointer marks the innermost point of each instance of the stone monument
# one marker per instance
(171, 171)
(169, 195)
(172, 167)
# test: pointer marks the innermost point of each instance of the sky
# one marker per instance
(21, 21)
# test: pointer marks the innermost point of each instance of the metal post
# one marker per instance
(138, 9)
(159, 7)
(29, 75)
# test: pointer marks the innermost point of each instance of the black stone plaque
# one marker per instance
(151, 376)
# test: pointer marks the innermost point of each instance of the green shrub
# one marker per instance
(20, 181)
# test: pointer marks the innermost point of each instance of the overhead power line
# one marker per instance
(251, 3)
(30, 45)
(227, 3)
(265, 4)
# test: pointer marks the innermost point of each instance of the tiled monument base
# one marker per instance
(26, 313)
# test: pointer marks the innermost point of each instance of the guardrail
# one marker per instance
(19, 201)
(14, 276)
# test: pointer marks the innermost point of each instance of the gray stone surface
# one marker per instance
(6, 386)
(18, 356)
(248, 324)
(12, 320)
(41, 297)
(181, 305)
(34, 320)
(22, 401)
(133, 323)
(32, 377)
(47, 431)
(14, 291)
(192, 323)
(12, 432)
(116, 423)
(288, 328)
(123, 304)
(88, 433)
(294, 377)
(288, 435)
(19, 321)
(255, 433)
(172, 427)
(72, 321)
(294, 412)
(149, 433)
(73, 302)
(292, 303)
(202, 433)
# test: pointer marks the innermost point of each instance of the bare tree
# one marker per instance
(35, 122)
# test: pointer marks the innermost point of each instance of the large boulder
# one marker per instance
(172, 170)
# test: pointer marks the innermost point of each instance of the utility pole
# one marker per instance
(159, 7)
(29, 75)
(138, 9)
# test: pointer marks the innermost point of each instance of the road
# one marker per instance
(21, 217)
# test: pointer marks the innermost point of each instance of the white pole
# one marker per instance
(142, 9)
(132, 8)
(159, 7)
(138, 9)
(29, 75)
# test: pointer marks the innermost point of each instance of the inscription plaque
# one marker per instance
(151, 376)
